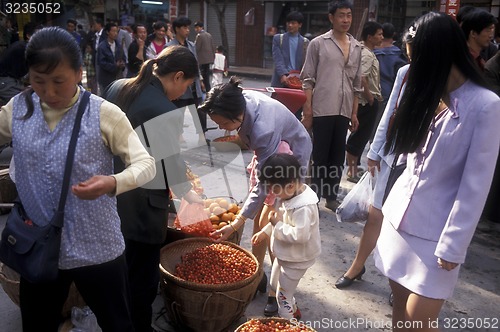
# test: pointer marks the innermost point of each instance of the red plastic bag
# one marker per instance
(192, 219)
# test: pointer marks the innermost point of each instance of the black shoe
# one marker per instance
(391, 299)
(263, 284)
(344, 281)
(271, 308)
(332, 204)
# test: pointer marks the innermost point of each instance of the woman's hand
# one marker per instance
(373, 165)
(448, 266)
(222, 234)
(226, 231)
(94, 187)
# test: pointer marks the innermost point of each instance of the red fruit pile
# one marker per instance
(255, 325)
(215, 264)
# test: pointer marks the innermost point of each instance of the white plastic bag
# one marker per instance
(84, 320)
(356, 203)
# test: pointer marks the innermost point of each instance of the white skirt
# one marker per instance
(410, 261)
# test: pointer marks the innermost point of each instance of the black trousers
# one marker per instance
(367, 115)
(206, 73)
(329, 133)
(142, 260)
(104, 288)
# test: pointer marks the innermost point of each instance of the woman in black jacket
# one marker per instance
(146, 99)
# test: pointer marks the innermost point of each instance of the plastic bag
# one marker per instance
(355, 205)
(192, 219)
(84, 320)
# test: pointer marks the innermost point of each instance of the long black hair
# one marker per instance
(46, 49)
(171, 60)
(226, 100)
(438, 44)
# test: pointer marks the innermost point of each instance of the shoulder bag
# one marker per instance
(31, 250)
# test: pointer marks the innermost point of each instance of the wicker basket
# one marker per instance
(10, 284)
(203, 307)
(276, 319)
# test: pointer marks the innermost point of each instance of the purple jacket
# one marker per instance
(442, 192)
(266, 123)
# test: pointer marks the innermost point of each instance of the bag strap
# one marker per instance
(401, 88)
(71, 151)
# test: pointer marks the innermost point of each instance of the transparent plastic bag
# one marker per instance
(192, 219)
(84, 320)
(356, 203)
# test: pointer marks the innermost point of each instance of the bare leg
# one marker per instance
(368, 240)
(352, 164)
(422, 311)
(401, 295)
(259, 250)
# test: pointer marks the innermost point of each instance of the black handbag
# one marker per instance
(396, 171)
(31, 250)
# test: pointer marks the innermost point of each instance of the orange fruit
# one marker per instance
(225, 217)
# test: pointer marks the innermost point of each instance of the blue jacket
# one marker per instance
(106, 67)
(281, 56)
(390, 59)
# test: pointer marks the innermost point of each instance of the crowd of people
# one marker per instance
(432, 107)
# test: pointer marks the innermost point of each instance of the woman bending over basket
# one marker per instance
(293, 229)
(39, 121)
(266, 126)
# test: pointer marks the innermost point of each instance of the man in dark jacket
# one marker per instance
(137, 50)
(110, 58)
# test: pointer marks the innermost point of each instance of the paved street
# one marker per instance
(363, 306)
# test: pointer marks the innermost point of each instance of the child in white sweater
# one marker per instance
(293, 228)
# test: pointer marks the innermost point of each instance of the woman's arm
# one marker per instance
(474, 183)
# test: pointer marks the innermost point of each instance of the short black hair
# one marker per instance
(29, 29)
(370, 29)
(160, 24)
(295, 16)
(337, 4)
(280, 169)
(109, 25)
(180, 22)
(464, 11)
(477, 20)
(198, 24)
(72, 21)
(389, 30)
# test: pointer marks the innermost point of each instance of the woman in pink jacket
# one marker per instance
(433, 208)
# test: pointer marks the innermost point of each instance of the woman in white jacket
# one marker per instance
(294, 229)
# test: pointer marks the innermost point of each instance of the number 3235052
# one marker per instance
(32, 8)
